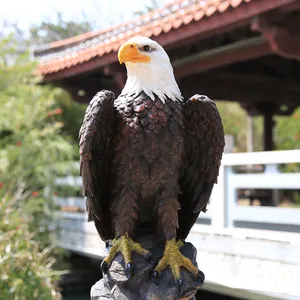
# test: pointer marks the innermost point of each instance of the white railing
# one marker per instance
(224, 201)
(223, 210)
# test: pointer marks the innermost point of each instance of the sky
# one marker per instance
(102, 12)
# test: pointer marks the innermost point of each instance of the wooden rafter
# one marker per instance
(224, 55)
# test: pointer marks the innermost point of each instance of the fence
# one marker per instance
(224, 210)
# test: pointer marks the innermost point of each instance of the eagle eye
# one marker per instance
(146, 48)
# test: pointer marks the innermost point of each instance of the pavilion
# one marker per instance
(246, 51)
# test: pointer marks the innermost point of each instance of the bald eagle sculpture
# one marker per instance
(149, 159)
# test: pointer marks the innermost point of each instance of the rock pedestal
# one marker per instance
(116, 286)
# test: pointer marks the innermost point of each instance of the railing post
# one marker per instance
(218, 201)
(230, 196)
(275, 193)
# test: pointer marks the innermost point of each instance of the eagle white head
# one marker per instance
(148, 69)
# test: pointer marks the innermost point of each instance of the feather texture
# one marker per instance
(95, 136)
(149, 161)
(205, 144)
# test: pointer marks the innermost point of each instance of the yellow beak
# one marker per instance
(130, 52)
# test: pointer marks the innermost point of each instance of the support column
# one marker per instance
(268, 142)
(268, 110)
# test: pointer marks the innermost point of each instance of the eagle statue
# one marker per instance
(149, 159)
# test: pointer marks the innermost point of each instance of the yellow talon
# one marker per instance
(175, 259)
(125, 245)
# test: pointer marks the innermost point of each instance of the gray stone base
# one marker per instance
(116, 286)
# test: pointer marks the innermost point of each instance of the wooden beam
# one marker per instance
(86, 67)
(247, 90)
(291, 7)
(219, 57)
(242, 88)
(284, 41)
(253, 108)
(84, 89)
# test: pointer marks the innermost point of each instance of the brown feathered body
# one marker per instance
(148, 151)
(148, 164)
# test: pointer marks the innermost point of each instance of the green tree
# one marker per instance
(287, 131)
(72, 115)
(48, 32)
(26, 269)
(234, 119)
(34, 150)
(32, 147)
(148, 8)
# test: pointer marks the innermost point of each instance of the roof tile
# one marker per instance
(198, 15)
(98, 43)
(223, 6)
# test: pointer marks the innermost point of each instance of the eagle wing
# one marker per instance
(94, 146)
(205, 144)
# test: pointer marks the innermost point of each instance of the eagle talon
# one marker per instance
(175, 259)
(125, 245)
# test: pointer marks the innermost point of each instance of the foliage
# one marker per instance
(35, 144)
(32, 147)
(234, 119)
(48, 32)
(286, 130)
(154, 4)
(35, 148)
(287, 136)
(64, 110)
(72, 116)
(25, 271)
(12, 67)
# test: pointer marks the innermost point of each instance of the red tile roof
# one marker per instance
(79, 49)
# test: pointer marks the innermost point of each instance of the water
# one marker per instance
(77, 296)
(84, 273)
